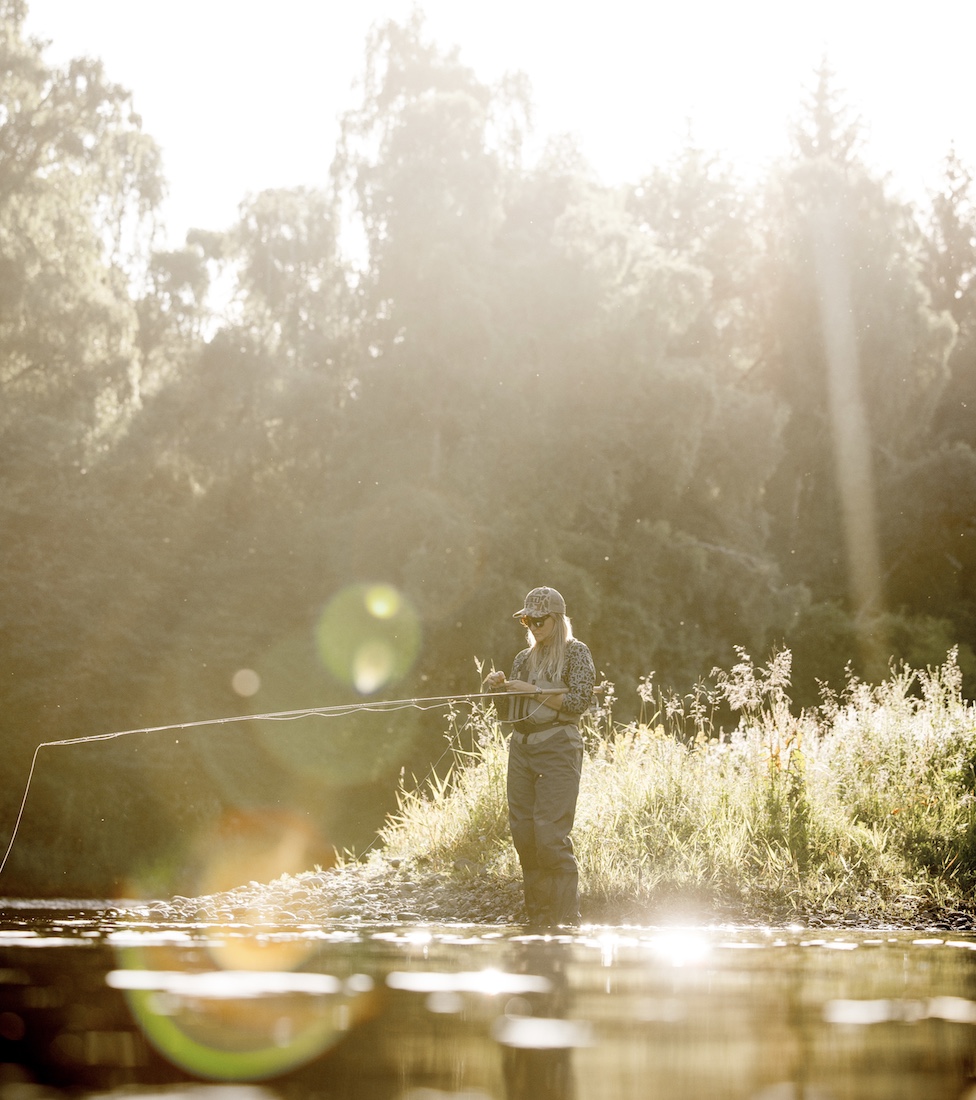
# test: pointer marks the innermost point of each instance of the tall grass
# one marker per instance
(863, 806)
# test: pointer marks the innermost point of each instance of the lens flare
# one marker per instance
(372, 667)
(258, 844)
(246, 682)
(382, 601)
(368, 636)
(327, 755)
(235, 1025)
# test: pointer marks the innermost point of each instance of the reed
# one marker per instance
(731, 800)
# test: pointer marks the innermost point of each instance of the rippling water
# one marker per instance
(90, 1003)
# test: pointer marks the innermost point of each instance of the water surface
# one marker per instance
(91, 1002)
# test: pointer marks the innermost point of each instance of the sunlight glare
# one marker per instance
(537, 1033)
(681, 947)
(220, 984)
(488, 982)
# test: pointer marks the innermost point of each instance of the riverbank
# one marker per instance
(396, 891)
(859, 813)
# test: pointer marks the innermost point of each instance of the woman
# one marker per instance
(550, 687)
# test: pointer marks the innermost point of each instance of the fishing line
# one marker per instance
(339, 711)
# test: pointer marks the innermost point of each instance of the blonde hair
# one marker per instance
(546, 658)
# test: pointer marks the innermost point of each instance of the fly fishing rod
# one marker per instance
(337, 711)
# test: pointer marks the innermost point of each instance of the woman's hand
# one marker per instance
(494, 681)
(520, 685)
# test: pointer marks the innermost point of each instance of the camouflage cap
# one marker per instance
(540, 602)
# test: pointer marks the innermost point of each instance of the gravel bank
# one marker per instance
(379, 890)
(388, 890)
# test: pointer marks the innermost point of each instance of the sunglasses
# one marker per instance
(532, 621)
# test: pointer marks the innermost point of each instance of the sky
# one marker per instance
(243, 96)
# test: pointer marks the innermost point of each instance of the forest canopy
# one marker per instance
(715, 415)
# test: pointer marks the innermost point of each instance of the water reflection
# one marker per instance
(537, 1039)
(90, 1004)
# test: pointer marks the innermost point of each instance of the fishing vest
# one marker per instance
(527, 716)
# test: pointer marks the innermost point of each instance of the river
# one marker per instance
(93, 1001)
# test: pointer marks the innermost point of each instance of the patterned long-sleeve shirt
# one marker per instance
(579, 675)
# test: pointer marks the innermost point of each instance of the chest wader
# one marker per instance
(545, 757)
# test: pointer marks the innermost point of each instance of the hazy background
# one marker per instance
(240, 102)
(345, 330)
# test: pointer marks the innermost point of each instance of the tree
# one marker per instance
(694, 208)
(78, 182)
(931, 567)
(949, 248)
(855, 351)
(533, 366)
(422, 165)
(949, 259)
